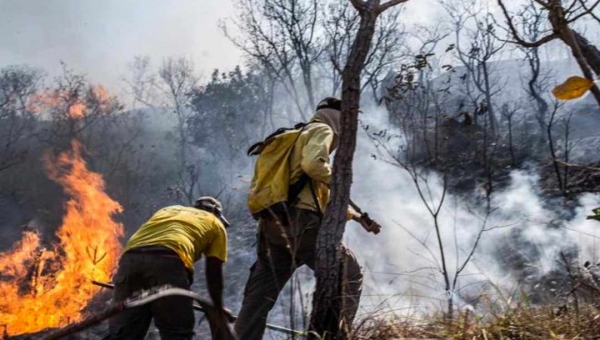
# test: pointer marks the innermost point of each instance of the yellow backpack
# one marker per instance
(270, 189)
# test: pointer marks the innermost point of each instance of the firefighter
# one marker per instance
(287, 240)
(163, 252)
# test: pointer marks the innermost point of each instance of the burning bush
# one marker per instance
(48, 287)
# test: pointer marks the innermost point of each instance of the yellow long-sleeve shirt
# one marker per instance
(311, 156)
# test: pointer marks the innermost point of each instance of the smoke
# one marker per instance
(526, 232)
(77, 34)
(402, 264)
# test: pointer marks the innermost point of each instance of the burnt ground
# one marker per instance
(582, 178)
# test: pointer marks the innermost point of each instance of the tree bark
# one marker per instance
(325, 318)
(569, 37)
(534, 91)
(589, 51)
(488, 98)
(553, 151)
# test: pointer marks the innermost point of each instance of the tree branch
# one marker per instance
(589, 11)
(586, 12)
(358, 4)
(545, 4)
(383, 7)
(576, 166)
(515, 33)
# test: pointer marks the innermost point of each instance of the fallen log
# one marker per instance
(199, 307)
(143, 298)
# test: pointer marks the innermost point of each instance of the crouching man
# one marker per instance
(162, 252)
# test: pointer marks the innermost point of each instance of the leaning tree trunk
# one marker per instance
(581, 53)
(325, 318)
(589, 51)
(585, 54)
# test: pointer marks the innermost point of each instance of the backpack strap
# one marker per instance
(252, 151)
(313, 192)
(297, 187)
(304, 179)
(256, 148)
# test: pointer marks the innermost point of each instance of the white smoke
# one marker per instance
(401, 271)
(401, 275)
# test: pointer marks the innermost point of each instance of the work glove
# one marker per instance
(368, 224)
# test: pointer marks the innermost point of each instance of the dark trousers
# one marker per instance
(280, 250)
(173, 316)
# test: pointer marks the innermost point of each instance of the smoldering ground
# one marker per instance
(403, 263)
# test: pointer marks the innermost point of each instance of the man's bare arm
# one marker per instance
(214, 280)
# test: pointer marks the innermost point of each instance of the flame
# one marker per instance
(43, 288)
(101, 94)
(77, 110)
(42, 101)
(73, 104)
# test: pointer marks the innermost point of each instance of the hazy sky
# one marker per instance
(99, 37)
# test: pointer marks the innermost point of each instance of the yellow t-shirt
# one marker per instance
(188, 231)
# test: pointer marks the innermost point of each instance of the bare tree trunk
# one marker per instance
(553, 150)
(534, 90)
(489, 186)
(589, 51)
(450, 312)
(510, 142)
(569, 39)
(445, 272)
(488, 99)
(308, 84)
(325, 319)
(567, 149)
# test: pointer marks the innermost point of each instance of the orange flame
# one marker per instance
(73, 105)
(42, 288)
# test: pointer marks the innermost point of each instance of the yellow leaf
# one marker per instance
(573, 88)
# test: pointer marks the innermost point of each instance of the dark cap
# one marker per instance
(330, 103)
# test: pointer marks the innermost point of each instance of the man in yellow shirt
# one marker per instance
(163, 252)
(285, 244)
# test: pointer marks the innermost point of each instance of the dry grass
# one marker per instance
(519, 323)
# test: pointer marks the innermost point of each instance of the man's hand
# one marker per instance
(363, 218)
(368, 224)
(220, 320)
